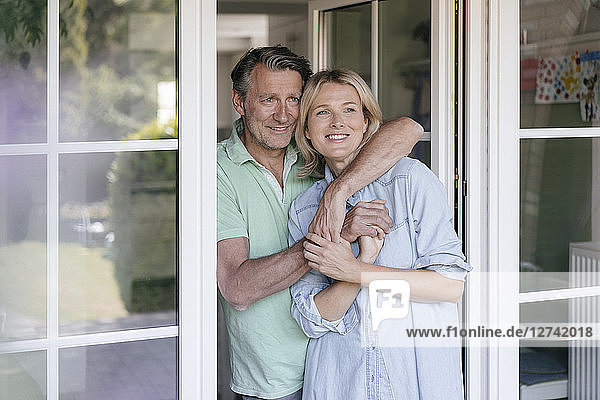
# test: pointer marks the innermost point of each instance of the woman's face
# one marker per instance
(336, 123)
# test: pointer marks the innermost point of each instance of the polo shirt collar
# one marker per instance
(235, 149)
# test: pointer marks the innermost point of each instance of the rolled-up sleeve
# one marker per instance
(304, 310)
(438, 247)
(306, 313)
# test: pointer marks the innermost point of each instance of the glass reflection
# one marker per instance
(117, 241)
(22, 72)
(422, 152)
(560, 63)
(559, 212)
(136, 370)
(23, 376)
(22, 247)
(405, 60)
(348, 33)
(117, 67)
(562, 367)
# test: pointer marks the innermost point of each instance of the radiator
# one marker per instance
(584, 367)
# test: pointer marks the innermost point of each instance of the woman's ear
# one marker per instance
(238, 102)
(365, 125)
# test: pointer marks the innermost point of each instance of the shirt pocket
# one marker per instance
(397, 250)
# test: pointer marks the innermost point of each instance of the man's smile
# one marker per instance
(279, 129)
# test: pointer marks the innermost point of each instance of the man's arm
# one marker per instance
(394, 140)
(244, 281)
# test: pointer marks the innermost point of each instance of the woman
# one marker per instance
(346, 358)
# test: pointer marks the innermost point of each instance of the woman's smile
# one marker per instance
(337, 137)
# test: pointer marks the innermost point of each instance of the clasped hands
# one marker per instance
(332, 256)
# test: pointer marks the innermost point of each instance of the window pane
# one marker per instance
(348, 37)
(422, 152)
(117, 68)
(22, 247)
(560, 63)
(553, 369)
(23, 376)
(135, 370)
(22, 72)
(405, 60)
(117, 241)
(559, 212)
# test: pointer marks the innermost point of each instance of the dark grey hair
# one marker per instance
(276, 58)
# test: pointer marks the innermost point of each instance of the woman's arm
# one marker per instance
(334, 301)
(333, 260)
(306, 290)
(425, 286)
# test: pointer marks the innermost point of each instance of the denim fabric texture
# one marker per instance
(346, 359)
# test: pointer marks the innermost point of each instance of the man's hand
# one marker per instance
(367, 219)
(334, 260)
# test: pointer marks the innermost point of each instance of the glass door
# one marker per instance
(406, 61)
(88, 200)
(550, 137)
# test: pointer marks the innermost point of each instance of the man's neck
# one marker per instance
(271, 159)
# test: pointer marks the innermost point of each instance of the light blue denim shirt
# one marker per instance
(346, 359)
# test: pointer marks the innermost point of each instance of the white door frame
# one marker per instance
(492, 158)
(475, 301)
(197, 200)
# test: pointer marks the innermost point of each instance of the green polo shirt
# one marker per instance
(267, 348)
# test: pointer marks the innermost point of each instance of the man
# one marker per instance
(256, 183)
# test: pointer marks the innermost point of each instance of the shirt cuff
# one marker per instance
(449, 266)
(315, 324)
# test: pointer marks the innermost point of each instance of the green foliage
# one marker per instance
(142, 197)
(28, 16)
(27, 19)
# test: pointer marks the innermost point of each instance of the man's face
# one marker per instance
(271, 107)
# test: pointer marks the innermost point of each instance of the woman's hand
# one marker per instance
(371, 246)
(334, 260)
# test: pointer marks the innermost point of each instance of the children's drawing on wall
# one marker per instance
(573, 78)
(558, 80)
(590, 88)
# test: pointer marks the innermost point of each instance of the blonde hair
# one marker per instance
(313, 161)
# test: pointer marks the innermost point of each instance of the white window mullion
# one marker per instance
(53, 60)
(197, 200)
(505, 15)
(477, 369)
(91, 339)
(559, 294)
(549, 133)
(52, 276)
(89, 147)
